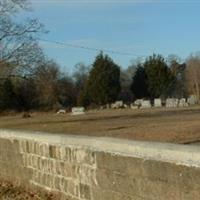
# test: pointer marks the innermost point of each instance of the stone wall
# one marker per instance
(83, 168)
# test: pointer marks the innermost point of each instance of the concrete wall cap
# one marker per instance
(174, 153)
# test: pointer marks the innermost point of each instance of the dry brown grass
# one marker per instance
(178, 125)
(9, 191)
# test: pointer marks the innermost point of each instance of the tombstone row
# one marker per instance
(169, 102)
(157, 102)
(141, 103)
(75, 111)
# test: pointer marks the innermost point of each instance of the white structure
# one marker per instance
(192, 100)
(182, 103)
(172, 102)
(138, 102)
(134, 107)
(117, 105)
(157, 103)
(145, 104)
(61, 111)
(125, 106)
(78, 110)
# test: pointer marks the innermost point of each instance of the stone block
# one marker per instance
(55, 151)
(146, 104)
(78, 110)
(134, 107)
(192, 100)
(73, 188)
(157, 102)
(85, 191)
(117, 105)
(172, 102)
(87, 175)
(183, 102)
(138, 102)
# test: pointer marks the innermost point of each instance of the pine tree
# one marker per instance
(139, 86)
(104, 80)
(159, 76)
(7, 95)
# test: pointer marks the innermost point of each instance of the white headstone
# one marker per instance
(157, 103)
(138, 102)
(61, 111)
(125, 106)
(192, 100)
(172, 102)
(78, 110)
(182, 103)
(145, 104)
(117, 104)
(134, 106)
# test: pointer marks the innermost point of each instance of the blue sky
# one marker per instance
(140, 27)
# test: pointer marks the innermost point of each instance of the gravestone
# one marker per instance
(134, 106)
(172, 102)
(61, 111)
(192, 100)
(78, 110)
(138, 102)
(182, 103)
(157, 103)
(125, 106)
(145, 104)
(117, 105)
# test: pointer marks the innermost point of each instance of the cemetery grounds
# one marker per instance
(176, 125)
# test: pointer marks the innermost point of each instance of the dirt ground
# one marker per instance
(177, 125)
(10, 192)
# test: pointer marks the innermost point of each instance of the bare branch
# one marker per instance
(18, 43)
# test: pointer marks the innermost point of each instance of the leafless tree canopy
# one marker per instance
(193, 75)
(46, 76)
(8, 7)
(18, 44)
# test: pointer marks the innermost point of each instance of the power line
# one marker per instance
(90, 48)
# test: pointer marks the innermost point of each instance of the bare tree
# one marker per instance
(18, 43)
(177, 67)
(9, 7)
(80, 75)
(67, 93)
(193, 75)
(46, 78)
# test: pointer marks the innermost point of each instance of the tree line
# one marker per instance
(30, 80)
(102, 83)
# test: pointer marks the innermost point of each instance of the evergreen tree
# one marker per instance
(139, 85)
(84, 98)
(159, 77)
(25, 94)
(7, 95)
(104, 80)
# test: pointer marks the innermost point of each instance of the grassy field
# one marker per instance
(177, 125)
